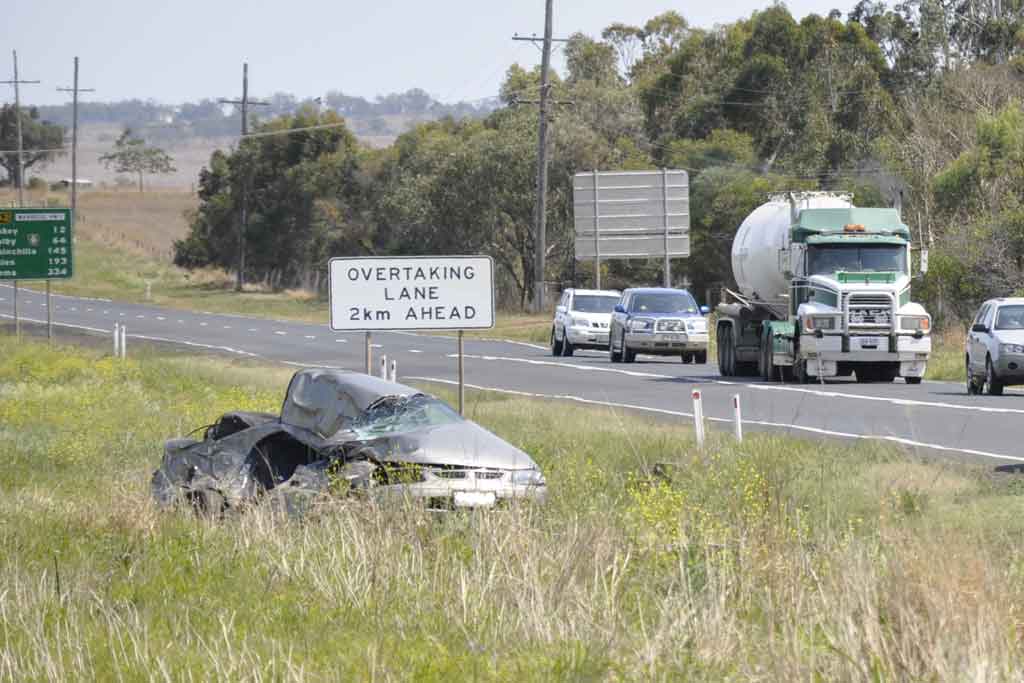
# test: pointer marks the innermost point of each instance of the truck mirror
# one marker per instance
(704, 310)
(619, 308)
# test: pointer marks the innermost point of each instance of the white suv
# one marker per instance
(581, 320)
(995, 347)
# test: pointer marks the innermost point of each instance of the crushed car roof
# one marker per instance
(323, 401)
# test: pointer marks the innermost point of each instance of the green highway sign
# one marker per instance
(35, 244)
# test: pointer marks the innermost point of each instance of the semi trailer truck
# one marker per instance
(824, 291)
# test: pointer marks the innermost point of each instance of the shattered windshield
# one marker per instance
(397, 414)
(828, 259)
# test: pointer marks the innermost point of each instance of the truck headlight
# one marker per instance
(915, 323)
(820, 322)
(640, 325)
(1011, 348)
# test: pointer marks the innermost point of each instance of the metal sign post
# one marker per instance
(597, 233)
(412, 293)
(462, 376)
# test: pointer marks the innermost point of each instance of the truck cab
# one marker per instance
(825, 291)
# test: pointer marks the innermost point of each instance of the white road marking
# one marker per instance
(252, 329)
(122, 315)
(906, 402)
(106, 312)
(310, 336)
(181, 321)
(138, 316)
(73, 308)
(415, 351)
(761, 423)
(160, 317)
(88, 310)
(280, 332)
(376, 346)
(227, 327)
(203, 324)
(341, 341)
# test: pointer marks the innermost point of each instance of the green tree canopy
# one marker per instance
(132, 155)
(39, 140)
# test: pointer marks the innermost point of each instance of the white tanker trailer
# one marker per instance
(824, 291)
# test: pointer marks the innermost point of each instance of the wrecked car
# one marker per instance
(346, 433)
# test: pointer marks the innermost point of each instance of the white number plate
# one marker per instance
(670, 337)
(873, 343)
(472, 499)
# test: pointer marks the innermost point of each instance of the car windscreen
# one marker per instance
(1010, 318)
(594, 303)
(663, 302)
(825, 259)
(398, 414)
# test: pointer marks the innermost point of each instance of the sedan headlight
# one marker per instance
(1011, 348)
(820, 322)
(915, 323)
(640, 325)
(528, 478)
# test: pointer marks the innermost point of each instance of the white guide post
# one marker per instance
(737, 418)
(124, 342)
(117, 340)
(394, 371)
(383, 366)
(698, 417)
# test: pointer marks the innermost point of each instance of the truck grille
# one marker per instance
(670, 326)
(869, 311)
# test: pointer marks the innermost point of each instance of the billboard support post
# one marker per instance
(597, 235)
(49, 315)
(664, 205)
(17, 320)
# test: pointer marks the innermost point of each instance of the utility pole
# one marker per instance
(21, 170)
(74, 90)
(244, 223)
(17, 118)
(540, 207)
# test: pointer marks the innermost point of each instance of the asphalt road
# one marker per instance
(934, 417)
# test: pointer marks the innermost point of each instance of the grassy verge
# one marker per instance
(775, 560)
(947, 360)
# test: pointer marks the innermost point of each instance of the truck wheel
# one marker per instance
(720, 347)
(912, 380)
(800, 372)
(613, 355)
(992, 384)
(628, 355)
(556, 346)
(700, 357)
(567, 347)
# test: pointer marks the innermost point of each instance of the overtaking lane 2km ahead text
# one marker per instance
(453, 292)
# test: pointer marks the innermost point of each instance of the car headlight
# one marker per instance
(1011, 348)
(528, 478)
(579, 322)
(696, 326)
(640, 325)
(915, 323)
(820, 322)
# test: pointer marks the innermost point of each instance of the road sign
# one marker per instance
(632, 214)
(412, 293)
(35, 244)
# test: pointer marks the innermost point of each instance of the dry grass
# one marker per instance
(777, 560)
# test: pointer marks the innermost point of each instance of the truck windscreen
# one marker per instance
(824, 259)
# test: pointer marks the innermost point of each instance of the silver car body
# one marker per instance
(583, 329)
(380, 438)
(996, 340)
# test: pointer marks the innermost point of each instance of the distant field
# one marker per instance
(776, 560)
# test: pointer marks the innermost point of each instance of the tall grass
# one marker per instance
(776, 560)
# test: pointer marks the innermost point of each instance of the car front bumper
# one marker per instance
(666, 342)
(596, 337)
(1010, 368)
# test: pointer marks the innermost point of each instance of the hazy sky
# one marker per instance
(178, 50)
